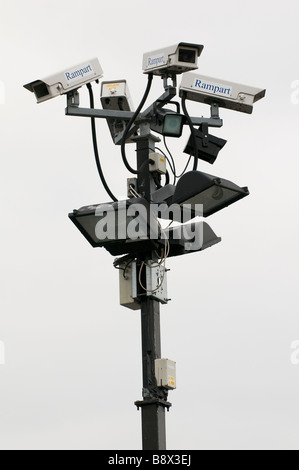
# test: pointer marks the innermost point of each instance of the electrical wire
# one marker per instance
(95, 146)
(165, 255)
(151, 291)
(169, 162)
(172, 159)
(131, 122)
(173, 170)
(191, 129)
(136, 195)
(167, 178)
(134, 192)
(125, 269)
(185, 169)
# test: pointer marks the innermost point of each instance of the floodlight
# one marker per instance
(121, 227)
(168, 123)
(209, 192)
(190, 238)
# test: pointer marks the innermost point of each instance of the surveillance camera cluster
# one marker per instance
(167, 62)
(124, 123)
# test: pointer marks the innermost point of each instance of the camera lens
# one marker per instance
(41, 90)
(187, 55)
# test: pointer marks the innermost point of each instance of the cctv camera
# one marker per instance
(66, 81)
(226, 94)
(115, 96)
(172, 60)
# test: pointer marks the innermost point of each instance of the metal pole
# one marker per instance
(153, 412)
(154, 399)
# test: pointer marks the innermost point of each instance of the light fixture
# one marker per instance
(190, 238)
(168, 123)
(211, 192)
(122, 227)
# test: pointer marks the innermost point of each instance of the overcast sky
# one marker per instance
(73, 355)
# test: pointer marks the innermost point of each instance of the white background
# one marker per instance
(73, 355)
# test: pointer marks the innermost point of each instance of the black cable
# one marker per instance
(191, 129)
(172, 159)
(95, 146)
(167, 179)
(172, 170)
(185, 169)
(131, 122)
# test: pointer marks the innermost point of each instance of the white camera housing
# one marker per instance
(68, 80)
(172, 60)
(226, 94)
(115, 96)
